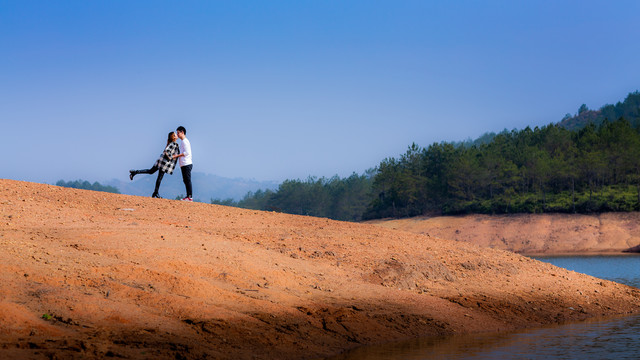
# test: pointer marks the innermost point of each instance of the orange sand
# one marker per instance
(135, 277)
(532, 234)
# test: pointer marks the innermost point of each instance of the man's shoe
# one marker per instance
(132, 173)
(187, 199)
(156, 196)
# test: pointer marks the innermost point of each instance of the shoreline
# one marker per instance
(383, 350)
(165, 279)
(580, 254)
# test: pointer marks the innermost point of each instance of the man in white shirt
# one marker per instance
(184, 160)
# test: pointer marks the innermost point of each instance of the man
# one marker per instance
(184, 160)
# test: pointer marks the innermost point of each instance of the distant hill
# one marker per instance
(205, 186)
(484, 139)
(628, 109)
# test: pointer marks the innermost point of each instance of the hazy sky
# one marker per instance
(272, 90)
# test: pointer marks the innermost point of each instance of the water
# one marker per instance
(615, 338)
(624, 269)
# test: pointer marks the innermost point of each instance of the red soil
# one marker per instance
(533, 234)
(91, 275)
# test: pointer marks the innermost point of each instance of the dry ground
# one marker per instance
(533, 234)
(91, 275)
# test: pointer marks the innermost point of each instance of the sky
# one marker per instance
(275, 90)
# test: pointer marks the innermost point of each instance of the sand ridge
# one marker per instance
(133, 277)
(532, 234)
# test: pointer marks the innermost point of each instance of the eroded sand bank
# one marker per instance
(533, 234)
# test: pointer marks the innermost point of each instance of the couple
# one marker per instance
(167, 162)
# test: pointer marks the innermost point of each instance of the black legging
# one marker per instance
(158, 180)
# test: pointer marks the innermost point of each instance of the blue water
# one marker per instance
(624, 269)
(616, 338)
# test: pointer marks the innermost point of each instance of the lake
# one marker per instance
(615, 338)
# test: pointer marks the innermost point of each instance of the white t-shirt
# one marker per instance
(185, 148)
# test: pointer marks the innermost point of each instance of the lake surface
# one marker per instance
(615, 338)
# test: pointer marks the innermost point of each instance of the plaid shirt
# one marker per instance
(166, 163)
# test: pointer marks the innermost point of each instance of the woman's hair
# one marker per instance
(169, 140)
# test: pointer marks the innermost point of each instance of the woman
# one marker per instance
(166, 163)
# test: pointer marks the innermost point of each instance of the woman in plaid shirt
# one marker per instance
(166, 163)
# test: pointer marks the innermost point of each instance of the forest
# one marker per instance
(335, 198)
(574, 166)
(80, 184)
(547, 169)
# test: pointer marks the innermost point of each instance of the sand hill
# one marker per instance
(533, 234)
(91, 275)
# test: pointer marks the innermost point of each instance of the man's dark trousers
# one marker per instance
(186, 178)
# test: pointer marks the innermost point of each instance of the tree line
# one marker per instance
(628, 109)
(80, 184)
(545, 169)
(335, 198)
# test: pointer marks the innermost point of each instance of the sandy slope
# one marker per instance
(135, 277)
(541, 234)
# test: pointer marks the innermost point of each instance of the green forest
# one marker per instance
(574, 166)
(335, 198)
(80, 184)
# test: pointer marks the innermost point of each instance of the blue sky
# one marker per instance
(272, 90)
